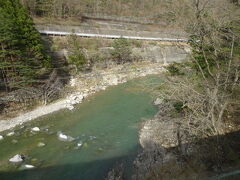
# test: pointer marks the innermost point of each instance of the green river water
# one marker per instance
(107, 124)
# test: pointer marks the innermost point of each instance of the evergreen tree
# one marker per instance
(21, 52)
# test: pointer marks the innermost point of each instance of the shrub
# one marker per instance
(174, 69)
(121, 52)
(77, 56)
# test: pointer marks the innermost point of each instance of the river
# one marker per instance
(106, 124)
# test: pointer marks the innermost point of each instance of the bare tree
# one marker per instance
(52, 86)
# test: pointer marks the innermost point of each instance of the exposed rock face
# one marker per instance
(170, 151)
(157, 137)
(160, 131)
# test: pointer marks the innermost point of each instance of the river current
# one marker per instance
(105, 130)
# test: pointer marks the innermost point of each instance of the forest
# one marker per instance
(22, 55)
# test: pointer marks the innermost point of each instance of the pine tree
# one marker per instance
(21, 53)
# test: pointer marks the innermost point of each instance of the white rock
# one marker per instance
(29, 166)
(16, 158)
(158, 101)
(1, 137)
(72, 82)
(62, 136)
(36, 129)
(70, 107)
(41, 144)
(10, 134)
(79, 144)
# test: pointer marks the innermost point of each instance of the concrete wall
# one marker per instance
(163, 54)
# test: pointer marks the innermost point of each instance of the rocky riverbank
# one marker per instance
(169, 152)
(85, 85)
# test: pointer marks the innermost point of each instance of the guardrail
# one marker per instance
(60, 33)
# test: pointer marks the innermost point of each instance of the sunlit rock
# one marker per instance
(72, 82)
(79, 144)
(35, 129)
(41, 144)
(29, 166)
(10, 134)
(14, 141)
(158, 101)
(1, 137)
(17, 158)
(70, 107)
(64, 137)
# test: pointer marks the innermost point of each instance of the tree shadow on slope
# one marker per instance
(210, 158)
(58, 76)
(59, 62)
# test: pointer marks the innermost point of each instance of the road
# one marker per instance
(60, 33)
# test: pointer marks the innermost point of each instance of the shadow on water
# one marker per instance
(98, 169)
(95, 170)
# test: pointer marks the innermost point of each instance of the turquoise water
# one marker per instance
(107, 124)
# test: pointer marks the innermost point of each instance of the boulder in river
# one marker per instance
(79, 144)
(35, 129)
(17, 158)
(64, 137)
(41, 144)
(158, 101)
(29, 166)
(14, 141)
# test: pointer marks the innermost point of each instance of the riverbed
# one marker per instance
(104, 129)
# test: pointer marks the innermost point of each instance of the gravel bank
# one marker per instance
(85, 85)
